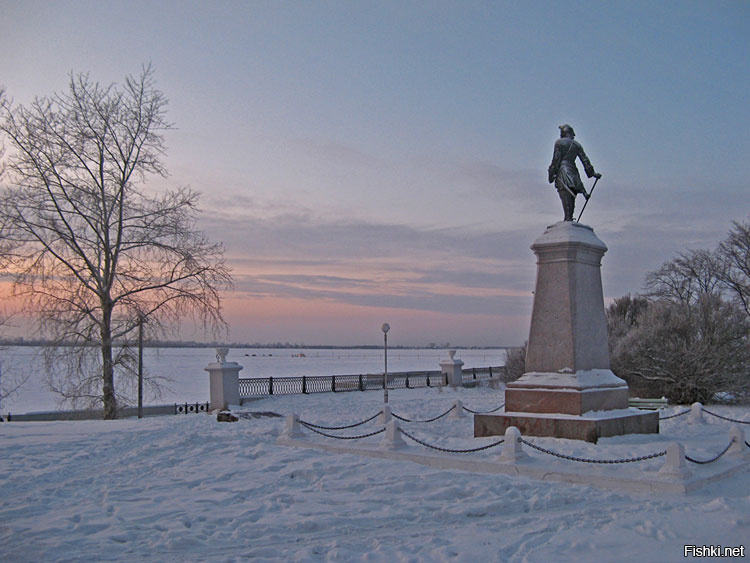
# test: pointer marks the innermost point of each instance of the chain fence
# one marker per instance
(484, 412)
(403, 419)
(674, 415)
(703, 462)
(317, 429)
(726, 418)
(449, 450)
(587, 460)
(359, 437)
(373, 417)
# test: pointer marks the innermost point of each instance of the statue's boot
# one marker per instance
(568, 203)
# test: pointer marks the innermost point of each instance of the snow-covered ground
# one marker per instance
(188, 488)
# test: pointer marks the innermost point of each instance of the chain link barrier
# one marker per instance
(315, 427)
(306, 425)
(401, 418)
(725, 418)
(703, 462)
(674, 415)
(311, 425)
(484, 412)
(586, 460)
(448, 450)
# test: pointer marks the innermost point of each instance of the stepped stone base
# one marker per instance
(567, 393)
(586, 405)
(589, 427)
(565, 402)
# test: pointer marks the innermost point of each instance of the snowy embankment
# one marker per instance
(178, 488)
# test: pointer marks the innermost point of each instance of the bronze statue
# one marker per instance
(564, 173)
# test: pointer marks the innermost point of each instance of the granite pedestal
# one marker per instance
(568, 390)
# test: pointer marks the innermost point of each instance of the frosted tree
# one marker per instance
(735, 253)
(687, 352)
(689, 277)
(90, 251)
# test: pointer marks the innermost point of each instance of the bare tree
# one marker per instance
(515, 362)
(697, 273)
(93, 253)
(624, 313)
(10, 379)
(687, 278)
(735, 252)
(9, 384)
(2, 146)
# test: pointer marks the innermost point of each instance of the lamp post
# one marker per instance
(385, 328)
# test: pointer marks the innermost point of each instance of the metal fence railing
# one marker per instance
(261, 386)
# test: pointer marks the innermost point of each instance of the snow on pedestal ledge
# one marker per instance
(581, 380)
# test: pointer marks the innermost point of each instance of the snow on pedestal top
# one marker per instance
(569, 232)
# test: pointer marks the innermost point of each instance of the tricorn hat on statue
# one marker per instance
(565, 127)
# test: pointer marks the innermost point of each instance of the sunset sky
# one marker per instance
(375, 161)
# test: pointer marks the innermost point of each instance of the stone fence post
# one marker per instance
(452, 368)
(224, 380)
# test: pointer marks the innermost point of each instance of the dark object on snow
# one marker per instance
(224, 416)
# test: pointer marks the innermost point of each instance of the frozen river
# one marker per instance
(188, 382)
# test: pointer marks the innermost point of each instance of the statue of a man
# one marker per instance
(564, 173)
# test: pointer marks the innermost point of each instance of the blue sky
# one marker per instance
(366, 162)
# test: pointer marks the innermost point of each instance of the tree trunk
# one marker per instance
(108, 369)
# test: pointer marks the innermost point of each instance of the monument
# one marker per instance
(568, 390)
(563, 171)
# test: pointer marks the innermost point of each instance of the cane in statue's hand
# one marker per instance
(588, 197)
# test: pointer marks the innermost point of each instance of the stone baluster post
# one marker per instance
(512, 451)
(458, 410)
(385, 415)
(392, 439)
(696, 414)
(674, 466)
(224, 381)
(452, 368)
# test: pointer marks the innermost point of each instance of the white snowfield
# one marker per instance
(189, 488)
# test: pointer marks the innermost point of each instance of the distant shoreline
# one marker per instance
(276, 346)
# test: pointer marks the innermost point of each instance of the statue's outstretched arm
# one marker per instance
(587, 166)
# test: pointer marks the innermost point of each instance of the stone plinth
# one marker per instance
(567, 393)
(568, 390)
(587, 405)
(589, 427)
(224, 381)
(453, 369)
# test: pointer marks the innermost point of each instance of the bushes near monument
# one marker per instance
(686, 352)
(515, 363)
(688, 338)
